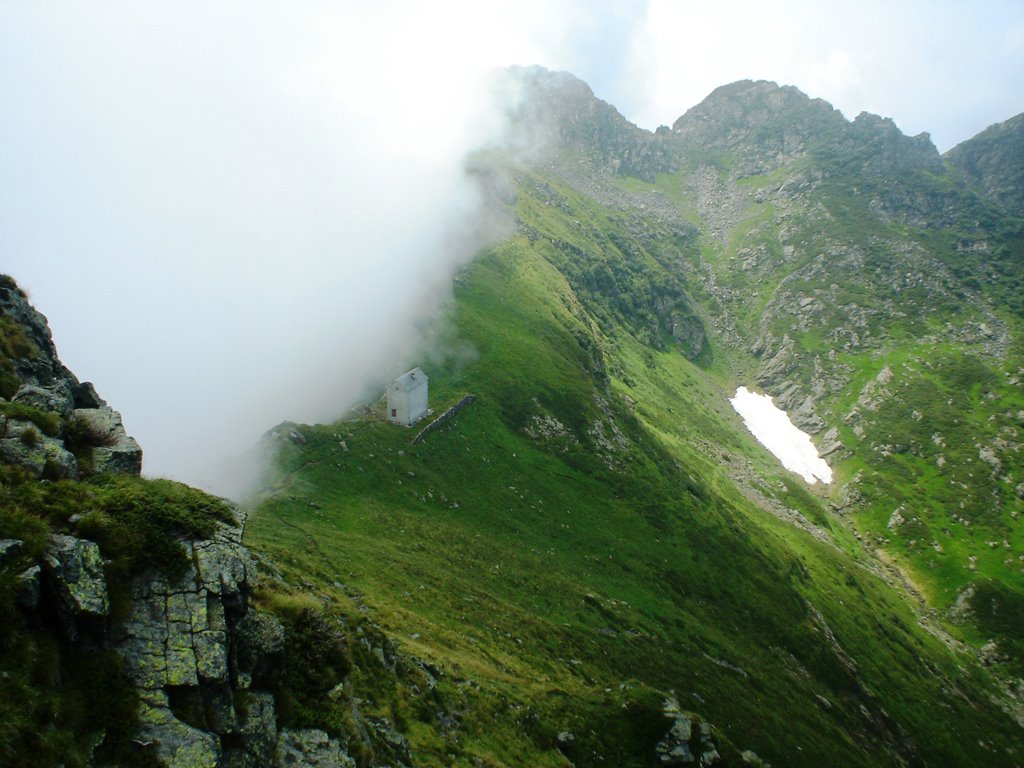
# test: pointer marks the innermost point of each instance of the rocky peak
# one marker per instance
(767, 126)
(748, 104)
(993, 163)
(28, 352)
(558, 110)
(884, 150)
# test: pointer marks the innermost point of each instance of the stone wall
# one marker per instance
(443, 419)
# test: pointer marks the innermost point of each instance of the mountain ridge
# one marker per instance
(593, 562)
(835, 274)
(997, 172)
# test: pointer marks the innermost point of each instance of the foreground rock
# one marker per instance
(50, 423)
(188, 645)
(74, 572)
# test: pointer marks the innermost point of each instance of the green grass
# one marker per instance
(47, 421)
(556, 581)
(890, 292)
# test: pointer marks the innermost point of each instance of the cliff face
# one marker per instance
(138, 588)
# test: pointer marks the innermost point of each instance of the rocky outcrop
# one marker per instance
(188, 644)
(111, 449)
(52, 425)
(764, 124)
(74, 574)
(191, 647)
(689, 742)
(312, 748)
(176, 632)
(28, 351)
(24, 444)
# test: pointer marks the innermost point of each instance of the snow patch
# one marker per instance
(773, 429)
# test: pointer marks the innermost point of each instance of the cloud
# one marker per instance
(943, 67)
(236, 214)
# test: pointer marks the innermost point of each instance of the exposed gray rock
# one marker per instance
(45, 384)
(38, 365)
(991, 162)
(688, 331)
(674, 748)
(257, 734)
(219, 708)
(74, 572)
(224, 567)
(10, 549)
(179, 745)
(311, 748)
(188, 645)
(56, 398)
(59, 463)
(176, 634)
(258, 636)
(195, 638)
(112, 449)
(85, 396)
(686, 739)
(177, 638)
(805, 416)
(29, 587)
(25, 446)
(386, 736)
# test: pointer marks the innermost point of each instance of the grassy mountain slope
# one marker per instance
(886, 313)
(597, 532)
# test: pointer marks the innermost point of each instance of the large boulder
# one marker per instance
(74, 574)
(259, 642)
(55, 398)
(311, 748)
(178, 744)
(183, 646)
(75, 570)
(10, 549)
(24, 445)
(257, 735)
(176, 632)
(111, 448)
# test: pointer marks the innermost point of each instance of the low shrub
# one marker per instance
(30, 437)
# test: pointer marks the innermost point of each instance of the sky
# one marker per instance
(235, 214)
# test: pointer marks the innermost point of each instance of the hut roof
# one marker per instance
(410, 380)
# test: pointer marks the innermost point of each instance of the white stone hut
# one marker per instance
(407, 397)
